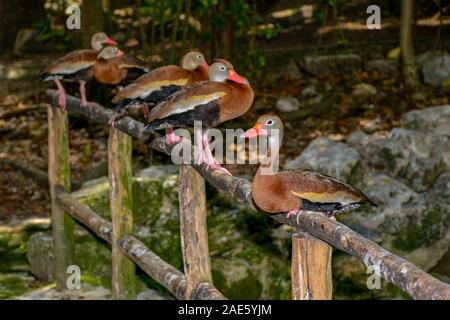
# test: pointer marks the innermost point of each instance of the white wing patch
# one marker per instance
(146, 90)
(72, 67)
(341, 197)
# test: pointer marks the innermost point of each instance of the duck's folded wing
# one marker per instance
(71, 63)
(190, 98)
(155, 80)
(131, 62)
(317, 187)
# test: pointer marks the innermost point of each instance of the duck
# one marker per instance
(225, 96)
(117, 70)
(76, 66)
(159, 84)
(298, 190)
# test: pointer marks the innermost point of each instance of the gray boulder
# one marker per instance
(413, 157)
(435, 120)
(287, 104)
(384, 66)
(435, 67)
(332, 64)
(334, 158)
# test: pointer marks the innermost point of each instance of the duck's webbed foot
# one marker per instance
(116, 117)
(172, 138)
(293, 213)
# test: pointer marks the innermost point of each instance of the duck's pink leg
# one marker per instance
(62, 102)
(84, 102)
(211, 162)
(198, 139)
(171, 137)
(293, 213)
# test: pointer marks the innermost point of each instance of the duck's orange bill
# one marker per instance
(110, 41)
(233, 76)
(253, 132)
(120, 53)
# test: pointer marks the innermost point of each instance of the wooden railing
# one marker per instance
(311, 245)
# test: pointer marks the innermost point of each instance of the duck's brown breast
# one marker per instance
(271, 195)
(108, 72)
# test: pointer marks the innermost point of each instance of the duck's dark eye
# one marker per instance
(222, 68)
(269, 122)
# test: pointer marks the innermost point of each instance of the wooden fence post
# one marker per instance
(311, 268)
(59, 176)
(194, 235)
(120, 198)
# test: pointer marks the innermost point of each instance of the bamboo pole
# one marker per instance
(408, 277)
(162, 272)
(59, 175)
(119, 172)
(311, 268)
(194, 234)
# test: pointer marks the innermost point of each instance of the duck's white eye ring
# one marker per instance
(200, 56)
(269, 122)
(114, 50)
(222, 68)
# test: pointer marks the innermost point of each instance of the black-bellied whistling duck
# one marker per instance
(225, 96)
(76, 66)
(118, 70)
(157, 85)
(294, 191)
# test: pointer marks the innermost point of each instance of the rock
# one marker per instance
(14, 284)
(287, 104)
(413, 157)
(292, 71)
(434, 120)
(330, 157)
(40, 256)
(364, 90)
(149, 294)
(13, 242)
(435, 67)
(309, 91)
(383, 66)
(364, 143)
(332, 64)
(370, 125)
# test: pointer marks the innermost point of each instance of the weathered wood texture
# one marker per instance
(310, 268)
(59, 175)
(120, 199)
(194, 234)
(162, 272)
(417, 283)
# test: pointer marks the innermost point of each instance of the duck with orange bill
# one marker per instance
(224, 97)
(295, 191)
(76, 66)
(159, 84)
(114, 67)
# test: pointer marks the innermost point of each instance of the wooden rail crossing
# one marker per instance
(311, 244)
